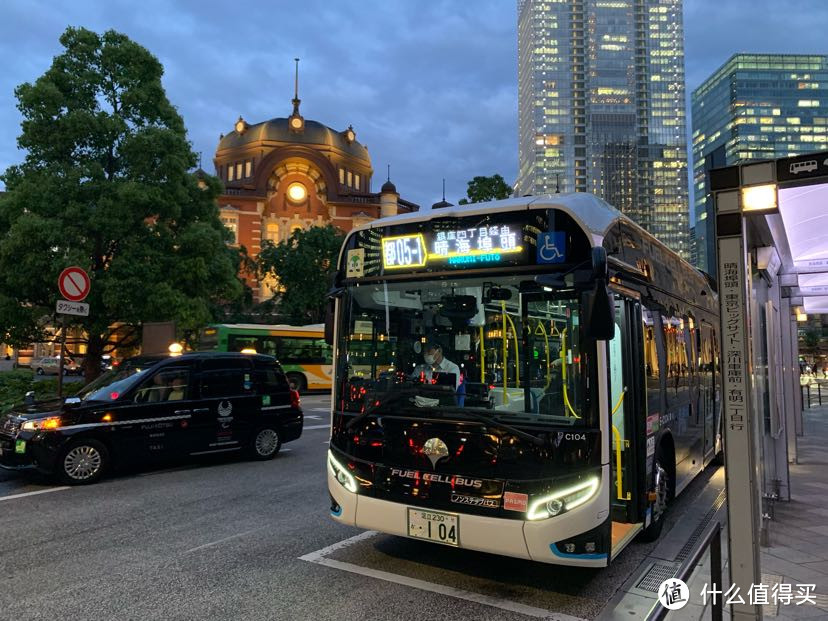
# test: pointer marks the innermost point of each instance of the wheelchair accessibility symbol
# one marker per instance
(551, 247)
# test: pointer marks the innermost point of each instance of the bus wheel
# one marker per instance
(297, 382)
(661, 487)
(265, 444)
(83, 462)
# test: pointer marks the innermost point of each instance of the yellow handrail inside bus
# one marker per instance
(517, 351)
(618, 487)
(482, 358)
(503, 338)
(620, 401)
(568, 405)
(548, 361)
(617, 434)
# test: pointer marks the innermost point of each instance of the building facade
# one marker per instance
(291, 173)
(601, 101)
(754, 107)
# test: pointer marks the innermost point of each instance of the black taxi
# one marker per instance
(155, 406)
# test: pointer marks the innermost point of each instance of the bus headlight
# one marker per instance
(341, 474)
(563, 500)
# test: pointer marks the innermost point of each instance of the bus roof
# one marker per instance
(593, 214)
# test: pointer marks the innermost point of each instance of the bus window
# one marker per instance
(652, 360)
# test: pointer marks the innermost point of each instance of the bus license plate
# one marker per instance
(434, 526)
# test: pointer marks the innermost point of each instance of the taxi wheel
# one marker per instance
(265, 444)
(83, 462)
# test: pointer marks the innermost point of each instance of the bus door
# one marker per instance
(625, 384)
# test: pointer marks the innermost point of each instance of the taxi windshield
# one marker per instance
(113, 383)
(509, 349)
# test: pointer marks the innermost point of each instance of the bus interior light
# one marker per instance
(563, 500)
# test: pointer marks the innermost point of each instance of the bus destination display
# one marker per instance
(460, 246)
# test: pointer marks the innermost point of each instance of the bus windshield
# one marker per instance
(502, 347)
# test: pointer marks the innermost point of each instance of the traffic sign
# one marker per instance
(73, 283)
(64, 307)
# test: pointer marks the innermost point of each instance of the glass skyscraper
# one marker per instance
(755, 106)
(601, 107)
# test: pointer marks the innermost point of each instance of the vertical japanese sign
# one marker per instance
(740, 470)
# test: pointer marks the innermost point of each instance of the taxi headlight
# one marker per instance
(53, 422)
(562, 500)
(341, 474)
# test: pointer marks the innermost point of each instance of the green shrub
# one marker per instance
(15, 384)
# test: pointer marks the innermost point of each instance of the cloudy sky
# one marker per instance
(429, 85)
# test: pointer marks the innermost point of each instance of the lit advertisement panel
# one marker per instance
(484, 244)
(496, 241)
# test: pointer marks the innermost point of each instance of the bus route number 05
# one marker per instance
(403, 251)
(434, 526)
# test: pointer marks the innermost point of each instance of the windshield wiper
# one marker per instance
(389, 397)
(378, 400)
(493, 421)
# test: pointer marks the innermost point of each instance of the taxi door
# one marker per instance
(224, 415)
(154, 419)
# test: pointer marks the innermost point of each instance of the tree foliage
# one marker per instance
(105, 185)
(482, 189)
(303, 264)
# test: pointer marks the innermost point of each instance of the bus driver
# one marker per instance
(434, 362)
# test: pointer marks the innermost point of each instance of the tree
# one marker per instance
(482, 189)
(105, 185)
(303, 264)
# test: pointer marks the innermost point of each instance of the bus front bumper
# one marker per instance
(541, 540)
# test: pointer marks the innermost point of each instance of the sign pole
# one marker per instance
(60, 361)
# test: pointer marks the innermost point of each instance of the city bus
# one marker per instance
(301, 350)
(551, 382)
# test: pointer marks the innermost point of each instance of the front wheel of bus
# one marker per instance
(265, 444)
(661, 490)
(298, 382)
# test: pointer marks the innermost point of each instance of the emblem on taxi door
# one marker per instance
(225, 408)
(435, 449)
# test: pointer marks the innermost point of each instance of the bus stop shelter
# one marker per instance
(772, 247)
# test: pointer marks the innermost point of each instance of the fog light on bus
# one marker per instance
(341, 474)
(563, 500)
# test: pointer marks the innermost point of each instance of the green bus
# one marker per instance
(301, 350)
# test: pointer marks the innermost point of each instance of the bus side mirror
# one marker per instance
(330, 317)
(599, 307)
(600, 313)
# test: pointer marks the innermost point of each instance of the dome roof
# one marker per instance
(388, 187)
(277, 130)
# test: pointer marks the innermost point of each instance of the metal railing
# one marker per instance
(812, 393)
(712, 540)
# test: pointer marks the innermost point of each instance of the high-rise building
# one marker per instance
(601, 107)
(755, 106)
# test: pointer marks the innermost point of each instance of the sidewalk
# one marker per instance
(798, 551)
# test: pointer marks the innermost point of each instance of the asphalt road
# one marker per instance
(222, 539)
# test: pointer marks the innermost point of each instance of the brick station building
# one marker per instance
(294, 173)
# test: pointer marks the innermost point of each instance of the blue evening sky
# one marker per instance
(429, 85)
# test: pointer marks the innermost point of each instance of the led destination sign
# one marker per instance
(476, 245)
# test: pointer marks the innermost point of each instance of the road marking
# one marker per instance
(320, 558)
(316, 427)
(40, 491)
(326, 410)
(313, 417)
(215, 543)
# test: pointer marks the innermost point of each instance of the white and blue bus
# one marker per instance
(549, 379)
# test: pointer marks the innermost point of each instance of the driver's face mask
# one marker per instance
(429, 358)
